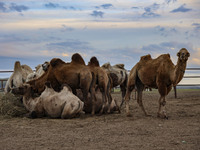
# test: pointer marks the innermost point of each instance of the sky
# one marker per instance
(115, 31)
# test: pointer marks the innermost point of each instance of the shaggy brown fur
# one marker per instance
(158, 73)
(102, 81)
(76, 74)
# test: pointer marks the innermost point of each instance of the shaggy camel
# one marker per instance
(63, 104)
(158, 73)
(76, 74)
(118, 74)
(18, 76)
(102, 81)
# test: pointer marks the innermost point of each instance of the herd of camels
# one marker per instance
(88, 87)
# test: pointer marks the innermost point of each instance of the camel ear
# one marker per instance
(188, 54)
(178, 54)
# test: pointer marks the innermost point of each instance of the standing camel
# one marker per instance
(102, 82)
(158, 73)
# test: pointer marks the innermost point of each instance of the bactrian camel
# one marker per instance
(158, 73)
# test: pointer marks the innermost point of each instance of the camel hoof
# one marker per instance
(162, 116)
(119, 111)
(147, 115)
(166, 117)
(128, 115)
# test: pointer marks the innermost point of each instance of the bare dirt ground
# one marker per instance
(112, 131)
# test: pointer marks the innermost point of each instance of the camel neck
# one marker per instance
(179, 71)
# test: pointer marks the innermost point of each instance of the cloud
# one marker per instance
(197, 26)
(149, 11)
(57, 6)
(166, 46)
(70, 44)
(51, 5)
(106, 6)
(182, 8)
(169, 1)
(165, 31)
(135, 7)
(2, 7)
(18, 8)
(66, 28)
(97, 14)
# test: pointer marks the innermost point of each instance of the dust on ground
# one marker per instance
(112, 131)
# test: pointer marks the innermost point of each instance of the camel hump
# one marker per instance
(121, 66)
(77, 58)
(17, 66)
(94, 61)
(56, 61)
(165, 56)
(145, 58)
(106, 65)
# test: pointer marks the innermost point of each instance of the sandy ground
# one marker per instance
(112, 131)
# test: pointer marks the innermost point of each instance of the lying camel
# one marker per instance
(18, 76)
(119, 76)
(102, 81)
(63, 104)
(158, 73)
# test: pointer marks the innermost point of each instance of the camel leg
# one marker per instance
(104, 100)
(161, 109)
(139, 101)
(127, 98)
(140, 88)
(123, 90)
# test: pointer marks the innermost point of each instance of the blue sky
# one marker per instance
(114, 31)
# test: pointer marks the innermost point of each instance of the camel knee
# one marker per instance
(163, 103)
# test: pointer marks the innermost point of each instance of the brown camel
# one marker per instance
(102, 82)
(158, 73)
(76, 74)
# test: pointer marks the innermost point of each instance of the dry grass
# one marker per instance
(11, 106)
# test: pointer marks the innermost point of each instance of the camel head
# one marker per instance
(45, 66)
(22, 90)
(183, 54)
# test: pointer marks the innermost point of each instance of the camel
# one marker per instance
(102, 81)
(118, 74)
(76, 74)
(63, 104)
(18, 76)
(158, 73)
